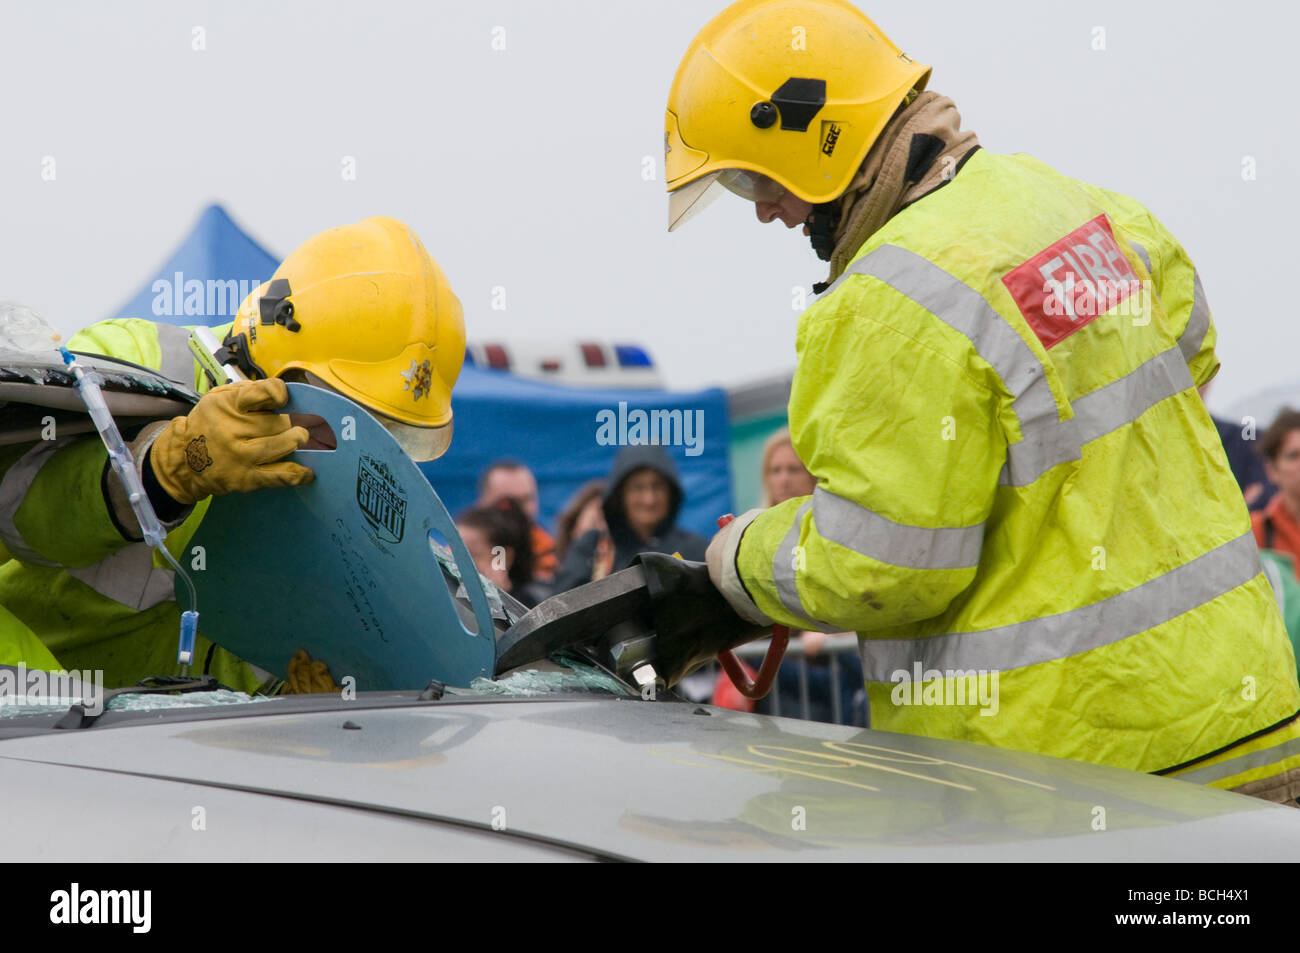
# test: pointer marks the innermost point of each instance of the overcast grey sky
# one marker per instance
(523, 167)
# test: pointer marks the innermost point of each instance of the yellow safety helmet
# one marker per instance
(791, 92)
(365, 310)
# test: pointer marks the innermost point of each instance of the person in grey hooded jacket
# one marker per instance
(641, 504)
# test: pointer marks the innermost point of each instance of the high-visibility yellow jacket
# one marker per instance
(19, 644)
(97, 600)
(1015, 474)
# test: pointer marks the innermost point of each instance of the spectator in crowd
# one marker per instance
(499, 541)
(1245, 463)
(1277, 526)
(1256, 488)
(784, 477)
(583, 513)
(641, 505)
(510, 478)
(783, 474)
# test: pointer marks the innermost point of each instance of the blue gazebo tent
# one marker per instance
(206, 278)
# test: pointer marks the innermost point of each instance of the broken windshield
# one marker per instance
(67, 700)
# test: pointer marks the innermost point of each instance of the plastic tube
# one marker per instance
(119, 457)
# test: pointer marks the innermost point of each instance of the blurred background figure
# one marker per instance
(512, 479)
(785, 477)
(583, 513)
(1245, 462)
(641, 503)
(1277, 525)
(499, 541)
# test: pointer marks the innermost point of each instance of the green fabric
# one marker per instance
(71, 485)
(745, 456)
(899, 413)
(65, 519)
(1289, 597)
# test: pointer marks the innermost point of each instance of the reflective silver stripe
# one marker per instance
(1198, 322)
(177, 361)
(129, 577)
(1142, 253)
(13, 490)
(1245, 762)
(1079, 630)
(783, 574)
(964, 309)
(1096, 414)
(877, 537)
(1046, 440)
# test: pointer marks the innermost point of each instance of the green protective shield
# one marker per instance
(344, 567)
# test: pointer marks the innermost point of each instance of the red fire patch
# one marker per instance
(1072, 281)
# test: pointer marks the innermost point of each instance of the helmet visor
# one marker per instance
(421, 444)
(754, 186)
(693, 197)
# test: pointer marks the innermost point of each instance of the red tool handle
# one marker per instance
(735, 669)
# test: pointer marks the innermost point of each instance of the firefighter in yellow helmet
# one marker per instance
(362, 309)
(997, 397)
(366, 311)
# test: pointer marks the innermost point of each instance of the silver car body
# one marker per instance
(481, 777)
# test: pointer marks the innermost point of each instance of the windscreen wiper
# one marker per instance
(78, 717)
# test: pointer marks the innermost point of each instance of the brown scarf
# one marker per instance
(883, 184)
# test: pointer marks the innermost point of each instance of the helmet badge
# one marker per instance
(419, 378)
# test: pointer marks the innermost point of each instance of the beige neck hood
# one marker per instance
(917, 151)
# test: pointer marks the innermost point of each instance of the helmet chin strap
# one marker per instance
(822, 223)
(821, 227)
(234, 350)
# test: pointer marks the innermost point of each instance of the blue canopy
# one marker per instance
(567, 436)
(206, 278)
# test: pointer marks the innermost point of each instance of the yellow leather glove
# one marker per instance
(307, 677)
(228, 442)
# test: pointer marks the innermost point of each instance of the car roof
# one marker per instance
(602, 777)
